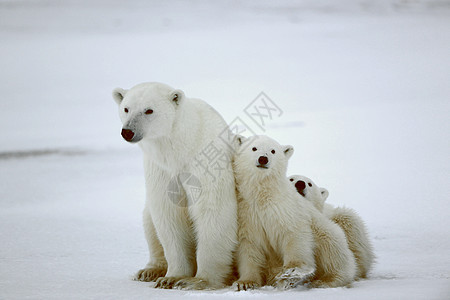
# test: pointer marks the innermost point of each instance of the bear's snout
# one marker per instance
(300, 186)
(127, 134)
(263, 160)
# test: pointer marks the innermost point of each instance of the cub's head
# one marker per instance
(261, 156)
(309, 190)
(147, 110)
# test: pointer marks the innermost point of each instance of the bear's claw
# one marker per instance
(150, 274)
(284, 284)
(166, 282)
(296, 272)
(245, 285)
(191, 283)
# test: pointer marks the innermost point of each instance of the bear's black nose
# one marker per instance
(263, 160)
(127, 134)
(300, 186)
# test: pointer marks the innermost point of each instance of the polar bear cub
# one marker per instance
(352, 224)
(280, 240)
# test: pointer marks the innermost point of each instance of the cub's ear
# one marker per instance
(240, 139)
(237, 142)
(288, 150)
(177, 96)
(324, 193)
(118, 95)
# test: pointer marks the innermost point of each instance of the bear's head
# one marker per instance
(147, 110)
(261, 156)
(309, 190)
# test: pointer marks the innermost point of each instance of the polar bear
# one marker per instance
(352, 224)
(191, 233)
(281, 241)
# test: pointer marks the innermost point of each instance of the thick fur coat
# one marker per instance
(282, 241)
(192, 232)
(351, 223)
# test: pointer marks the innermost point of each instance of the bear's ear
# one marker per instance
(177, 96)
(288, 150)
(240, 139)
(324, 193)
(118, 95)
(237, 142)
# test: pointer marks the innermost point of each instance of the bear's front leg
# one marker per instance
(250, 255)
(157, 265)
(174, 230)
(215, 222)
(298, 256)
(250, 260)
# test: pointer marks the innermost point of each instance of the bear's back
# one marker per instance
(203, 122)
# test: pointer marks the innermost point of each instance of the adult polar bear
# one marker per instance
(199, 238)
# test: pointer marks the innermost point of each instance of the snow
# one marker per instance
(364, 90)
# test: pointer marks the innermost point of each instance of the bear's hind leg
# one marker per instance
(357, 237)
(335, 262)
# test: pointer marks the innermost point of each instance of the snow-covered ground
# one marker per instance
(364, 89)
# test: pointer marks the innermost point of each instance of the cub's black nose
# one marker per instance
(263, 160)
(127, 134)
(300, 186)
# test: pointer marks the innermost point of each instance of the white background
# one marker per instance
(364, 89)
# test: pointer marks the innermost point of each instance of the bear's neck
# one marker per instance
(175, 150)
(158, 152)
(261, 188)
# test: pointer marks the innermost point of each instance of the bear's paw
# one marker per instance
(244, 285)
(150, 274)
(191, 283)
(300, 273)
(166, 282)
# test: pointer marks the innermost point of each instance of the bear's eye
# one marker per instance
(125, 109)
(254, 149)
(273, 151)
(149, 111)
(292, 179)
(309, 183)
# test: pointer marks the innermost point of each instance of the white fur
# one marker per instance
(197, 239)
(274, 232)
(282, 240)
(352, 224)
